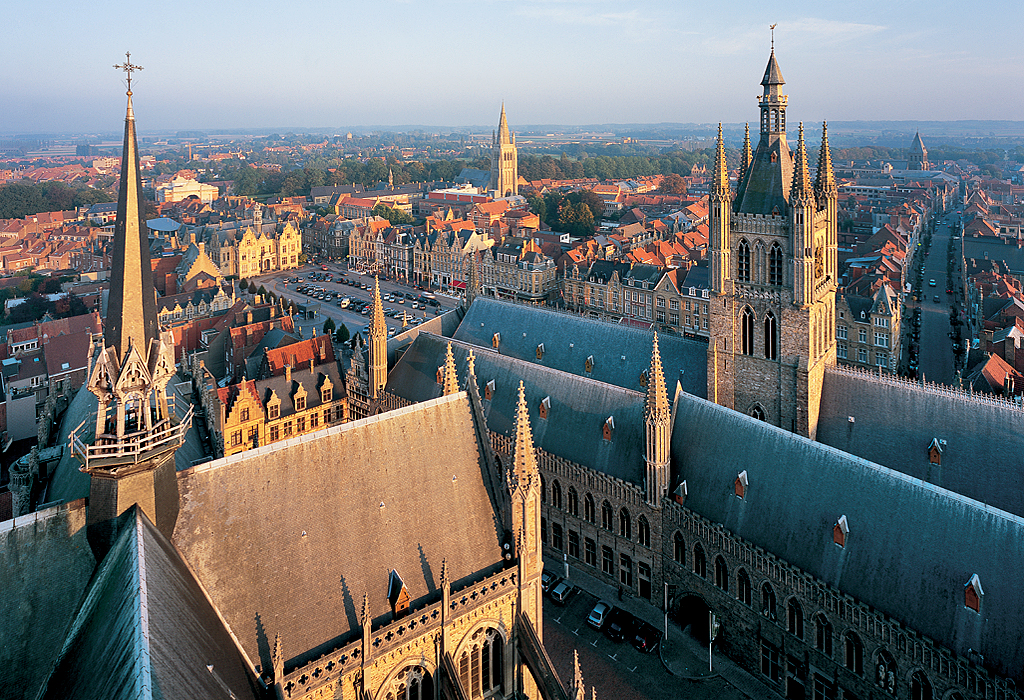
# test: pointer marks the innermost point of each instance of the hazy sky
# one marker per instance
(253, 63)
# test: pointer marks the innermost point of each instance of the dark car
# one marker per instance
(936, 299)
(548, 579)
(561, 592)
(620, 625)
(646, 637)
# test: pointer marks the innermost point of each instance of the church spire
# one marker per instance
(720, 173)
(746, 156)
(657, 424)
(801, 191)
(825, 181)
(579, 689)
(451, 378)
(503, 133)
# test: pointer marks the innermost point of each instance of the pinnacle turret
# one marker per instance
(720, 174)
(451, 379)
(579, 689)
(657, 394)
(801, 191)
(825, 180)
(657, 429)
(378, 345)
(747, 156)
(524, 468)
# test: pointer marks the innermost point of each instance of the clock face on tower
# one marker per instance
(819, 263)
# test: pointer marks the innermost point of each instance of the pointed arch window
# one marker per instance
(759, 263)
(823, 634)
(625, 524)
(920, 688)
(700, 562)
(885, 672)
(588, 508)
(743, 587)
(747, 331)
(721, 573)
(606, 516)
(853, 658)
(768, 601)
(795, 618)
(643, 532)
(771, 337)
(679, 548)
(775, 265)
(481, 666)
(758, 412)
(743, 261)
(573, 502)
(556, 495)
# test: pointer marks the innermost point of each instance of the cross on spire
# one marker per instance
(128, 68)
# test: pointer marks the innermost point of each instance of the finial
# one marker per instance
(471, 363)
(772, 28)
(579, 688)
(128, 68)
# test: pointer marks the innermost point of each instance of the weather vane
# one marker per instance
(128, 68)
(772, 28)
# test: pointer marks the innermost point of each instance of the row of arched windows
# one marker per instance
(608, 519)
(758, 265)
(770, 334)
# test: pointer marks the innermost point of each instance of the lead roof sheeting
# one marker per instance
(912, 546)
(569, 340)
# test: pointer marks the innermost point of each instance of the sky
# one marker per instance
(308, 63)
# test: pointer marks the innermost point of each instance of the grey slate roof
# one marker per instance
(894, 422)
(146, 629)
(620, 353)
(288, 537)
(912, 546)
(579, 407)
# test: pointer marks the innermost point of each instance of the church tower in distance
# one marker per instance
(128, 452)
(773, 273)
(504, 160)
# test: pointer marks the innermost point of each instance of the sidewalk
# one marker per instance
(681, 654)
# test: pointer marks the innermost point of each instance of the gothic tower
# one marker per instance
(658, 429)
(378, 345)
(773, 273)
(130, 455)
(918, 159)
(504, 160)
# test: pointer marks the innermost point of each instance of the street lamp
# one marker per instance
(714, 627)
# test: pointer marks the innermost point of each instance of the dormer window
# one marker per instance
(589, 364)
(496, 340)
(935, 450)
(273, 411)
(540, 351)
(300, 402)
(545, 407)
(326, 393)
(840, 531)
(644, 378)
(489, 390)
(973, 594)
(608, 427)
(741, 484)
(440, 375)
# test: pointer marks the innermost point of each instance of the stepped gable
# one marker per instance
(576, 415)
(36, 552)
(621, 354)
(894, 422)
(911, 547)
(146, 628)
(289, 537)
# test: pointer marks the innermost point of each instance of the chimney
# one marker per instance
(248, 316)
(287, 373)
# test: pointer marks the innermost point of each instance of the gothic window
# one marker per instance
(606, 516)
(853, 656)
(700, 564)
(556, 494)
(747, 331)
(743, 262)
(679, 548)
(412, 683)
(759, 271)
(771, 337)
(768, 601)
(743, 587)
(643, 532)
(823, 634)
(573, 502)
(819, 262)
(920, 688)
(625, 524)
(481, 666)
(885, 672)
(758, 412)
(721, 573)
(588, 508)
(775, 265)
(795, 618)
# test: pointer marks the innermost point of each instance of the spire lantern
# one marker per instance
(772, 101)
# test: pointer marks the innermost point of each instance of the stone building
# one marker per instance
(918, 158)
(256, 249)
(504, 160)
(868, 329)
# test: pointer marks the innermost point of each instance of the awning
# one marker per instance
(458, 285)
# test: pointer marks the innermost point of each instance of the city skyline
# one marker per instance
(573, 62)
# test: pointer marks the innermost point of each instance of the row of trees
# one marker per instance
(574, 213)
(23, 198)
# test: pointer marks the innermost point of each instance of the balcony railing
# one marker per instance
(110, 451)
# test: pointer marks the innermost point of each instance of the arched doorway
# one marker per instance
(694, 617)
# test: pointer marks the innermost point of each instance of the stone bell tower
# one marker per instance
(504, 160)
(129, 451)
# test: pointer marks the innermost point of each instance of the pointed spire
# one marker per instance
(444, 572)
(451, 379)
(720, 174)
(800, 191)
(657, 394)
(278, 659)
(772, 74)
(377, 323)
(503, 134)
(524, 468)
(746, 157)
(825, 181)
(579, 689)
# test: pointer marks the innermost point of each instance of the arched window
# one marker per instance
(743, 261)
(920, 688)
(795, 618)
(481, 666)
(679, 549)
(721, 573)
(700, 564)
(768, 601)
(606, 516)
(625, 524)
(543, 491)
(853, 656)
(823, 634)
(556, 494)
(412, 683)
(775, 265)
(747, 331)
(758, 412)
(885, 672)
(759, 271)
(588, 508)
(643, 532)
(771, 337)
(743, 587)
(573, 502)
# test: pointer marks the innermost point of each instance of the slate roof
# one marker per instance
(579, 407)
(912, 546)
(288, 537)
(620, 353)
(146, 629)
(895, 421)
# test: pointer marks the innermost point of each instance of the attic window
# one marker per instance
(489, 390)
(589, 364)
(398, 594)
(935, 450)
(440, 374)
(495, 340)
(741, 484)
(840, 530)
(609, 426)
(540, 351)
(644, 379)
(973, 594)
(680, 493)
(545, 407)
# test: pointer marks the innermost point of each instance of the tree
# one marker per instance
(252, 287)
(395, 216)
(329, 326)
(342, 335)
(673, 183)
(262, 291)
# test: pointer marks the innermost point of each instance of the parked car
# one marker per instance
(936, 298)
(548, 579)
(620, 624)
(931, 283)
(561, 592)
(646, 637)
(599, 615)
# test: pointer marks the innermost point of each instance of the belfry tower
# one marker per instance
(130, 456)
(504, 160)
(773, 273)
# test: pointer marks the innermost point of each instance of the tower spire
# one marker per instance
(524, 468)
(720, 173)
(451, 379)
(657, 424)
(503, 133)
(825, 181)
(378, 344)
(801, 191)
(746, 157)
